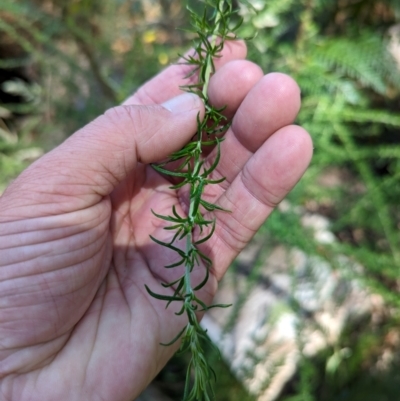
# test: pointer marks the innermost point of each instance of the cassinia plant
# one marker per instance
(212, 28)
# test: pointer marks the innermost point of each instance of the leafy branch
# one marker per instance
(212, 28)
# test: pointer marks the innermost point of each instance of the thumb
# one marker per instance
(147, 133)
(111, 145)
(101, 154)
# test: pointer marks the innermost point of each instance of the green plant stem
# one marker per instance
(209, 68)
(196, 177)
(188, 284)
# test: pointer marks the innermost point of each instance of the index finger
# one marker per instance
(166, 84)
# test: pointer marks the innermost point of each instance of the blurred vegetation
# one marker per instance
(64, 62)
(338, 52)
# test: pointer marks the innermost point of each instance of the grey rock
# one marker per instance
(297, 306)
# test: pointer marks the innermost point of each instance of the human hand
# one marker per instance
(76, 322)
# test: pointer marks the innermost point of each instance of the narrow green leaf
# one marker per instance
(162, 297)
(168, 172)
(201, 303)
(204, 282)
(206, 238)
(181, 311)
(210, 207)
(173, 227)
(167, 285)
(167, 245)
(168, 218)
(172, 265)
(177, 291)
(175, 339)
(180, 185)
(216, 181)
(216, 306)
(206, 173)
(204, 258)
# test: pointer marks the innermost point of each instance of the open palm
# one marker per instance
(76, 322)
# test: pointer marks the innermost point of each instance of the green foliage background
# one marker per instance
(64, 62)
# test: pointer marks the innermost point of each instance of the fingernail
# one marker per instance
(183, 103)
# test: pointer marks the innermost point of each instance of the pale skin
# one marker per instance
(75, 320)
